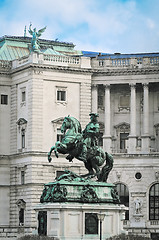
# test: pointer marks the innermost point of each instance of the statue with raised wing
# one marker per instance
(35, 37)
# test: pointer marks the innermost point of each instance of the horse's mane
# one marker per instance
(76, 124)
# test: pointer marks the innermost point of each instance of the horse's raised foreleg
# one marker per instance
(49, 154)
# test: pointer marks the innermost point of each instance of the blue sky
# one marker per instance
(126, 26)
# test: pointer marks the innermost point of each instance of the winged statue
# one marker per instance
(35, 36)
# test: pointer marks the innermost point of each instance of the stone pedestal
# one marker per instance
(71, 210)
(139, 221)
(68, 220)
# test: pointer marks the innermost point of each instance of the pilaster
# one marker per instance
(94, 98)
(132, 136)
(107, 118)
(145, 136)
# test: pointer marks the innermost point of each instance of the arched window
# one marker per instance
(21, 206)
(154, 202)
(123, 193)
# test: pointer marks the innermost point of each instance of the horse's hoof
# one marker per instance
(49, 159)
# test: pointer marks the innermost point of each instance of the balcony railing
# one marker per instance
(62, 59)
(47, 59)
(85, 62)
(119, 62)
(5, 64)
(154, 222)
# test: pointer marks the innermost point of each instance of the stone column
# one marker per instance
(132, 136)
(107, 118)
(94, 98)
(145, 136)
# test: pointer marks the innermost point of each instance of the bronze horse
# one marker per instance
(72, 145)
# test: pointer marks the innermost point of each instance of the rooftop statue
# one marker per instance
(83, 145)
(35, 37)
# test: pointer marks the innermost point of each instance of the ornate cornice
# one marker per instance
(118, 72)
(94, 72)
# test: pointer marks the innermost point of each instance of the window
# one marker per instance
(91, 223)
(138, 175)
(21, 217)
(123, 141)
(60, 135)
(154, 202)
(4, 99)
(61, 95)
(123, 193)
(23, 138)
(22, 177)
(21, 207)
(101, 95)
(23, 96)
(139, 142)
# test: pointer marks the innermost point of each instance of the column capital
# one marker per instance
(94, 85)
(106, 86)
(145, 85)
(132, 85)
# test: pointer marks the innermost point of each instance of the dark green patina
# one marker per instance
(72, 188)
(35, 36)
(83, 145)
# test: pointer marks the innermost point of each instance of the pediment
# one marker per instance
(21, 203)
(58, 120)
(156, 125)
(21, 121)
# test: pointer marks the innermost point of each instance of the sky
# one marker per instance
(109, 26)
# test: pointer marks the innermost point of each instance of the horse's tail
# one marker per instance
(103, 176)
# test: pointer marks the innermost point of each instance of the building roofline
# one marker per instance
(42, 41)
(100, 55)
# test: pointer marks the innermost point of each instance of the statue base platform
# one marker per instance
(75, 208)
(66, 221)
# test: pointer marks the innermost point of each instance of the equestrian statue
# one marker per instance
(83, 145)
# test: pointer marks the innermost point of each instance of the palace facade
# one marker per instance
(39, 89)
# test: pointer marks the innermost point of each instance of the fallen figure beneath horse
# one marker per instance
(83, 145)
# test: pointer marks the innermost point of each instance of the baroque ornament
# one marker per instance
(55, 193)
(88, 194)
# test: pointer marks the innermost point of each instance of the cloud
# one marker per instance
(114, 25)
(150, 23)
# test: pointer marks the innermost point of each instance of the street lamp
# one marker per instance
(101, 217)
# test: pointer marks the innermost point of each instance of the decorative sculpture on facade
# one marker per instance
(84, 147)
(35, 36)
(138, 206)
